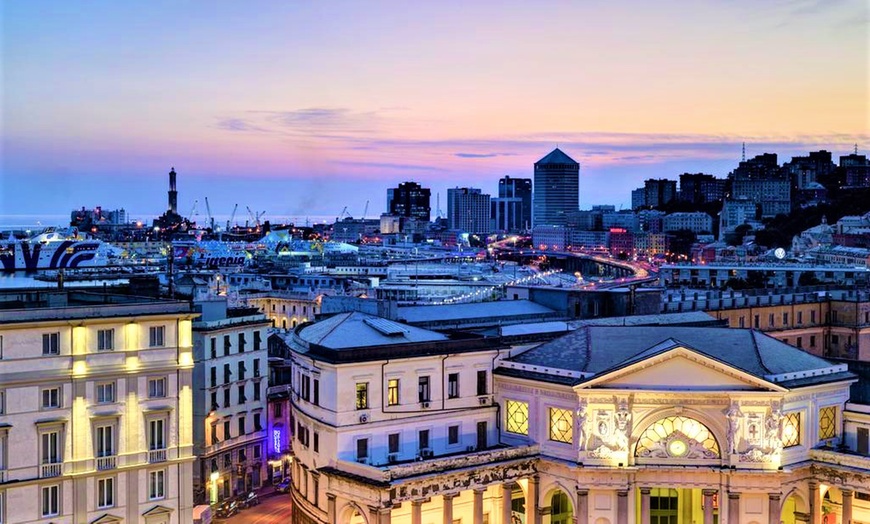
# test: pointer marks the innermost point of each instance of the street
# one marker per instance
(273, 508)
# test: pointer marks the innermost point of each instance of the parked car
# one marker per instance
(283, 486)
(246, 500)
(227, 508)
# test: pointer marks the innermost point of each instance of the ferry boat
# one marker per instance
(56, 248)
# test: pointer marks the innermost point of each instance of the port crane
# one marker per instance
(210, 217)
(366, 210)
(232, 216)
(193, 211)
(255, 217)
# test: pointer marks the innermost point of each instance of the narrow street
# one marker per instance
(273, 508)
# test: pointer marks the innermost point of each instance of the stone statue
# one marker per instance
(734, 414)
(585, 426)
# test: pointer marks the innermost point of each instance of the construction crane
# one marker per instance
(210, 218)
(255, 217)
(232, 216)
(342, 214)
(193, 212)
(366, 210)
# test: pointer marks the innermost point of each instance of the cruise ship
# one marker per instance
(56, 248)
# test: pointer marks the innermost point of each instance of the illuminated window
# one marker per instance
(827, 422)
(517, 417)
(362, 395)
(791, 430)
(393, 392)
(561, 425)
(677, 437)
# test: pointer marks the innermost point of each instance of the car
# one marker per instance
(227, 508)
(283, 486)
(246, 500)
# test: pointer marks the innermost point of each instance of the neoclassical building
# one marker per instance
(604, 425)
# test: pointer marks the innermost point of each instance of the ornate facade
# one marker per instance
(603, 425)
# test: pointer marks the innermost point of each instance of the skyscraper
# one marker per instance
(512, 210)
(557, 188)
(468, 210)
(409, 200)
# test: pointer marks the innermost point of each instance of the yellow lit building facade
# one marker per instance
(604, 425)
(95, 408)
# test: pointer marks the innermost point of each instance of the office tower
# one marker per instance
(468, 210)
(557, 188)
(409, 200)
(700, 188)
(512, 210)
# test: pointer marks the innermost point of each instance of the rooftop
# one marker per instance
(556, 156)
(24, 305)
(477, 310)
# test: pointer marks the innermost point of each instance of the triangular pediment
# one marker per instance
(157, 510)
(679, 369)
(107, 519)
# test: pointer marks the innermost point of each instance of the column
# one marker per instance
(708, 505)
(644, 505)
(582, 506)
(532, 501)
(478, 506)
(815, 504)
(447, 511)
(507, 490)
(379, 515)
(733, 508)
(847, 506)
(773, 508)
(416, 512)
(330, 508)
(622, 506)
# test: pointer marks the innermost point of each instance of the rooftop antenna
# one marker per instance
(856, 149)
(744, 152)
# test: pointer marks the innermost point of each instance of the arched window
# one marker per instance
(677, 437)
(560, 508)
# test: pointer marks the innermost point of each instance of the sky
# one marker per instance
(303, 108)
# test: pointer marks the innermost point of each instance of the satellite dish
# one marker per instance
(779, 253)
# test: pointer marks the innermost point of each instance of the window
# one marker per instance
(659, 434)
(316, 442)
(156, 435)
(755, 322)
(155, 336)
(827, 422)
(50, 398)
(105, 393)
(770, 320)
(156, 484)
(362, 395)
(51, 344)
(800, 342)
(105, 441)
(214, 401)
(785, 319)
(105, 493)
(362, 449)
(157, 387)
(800, 317)
(255, 452)
(812, 341)
(105, 339)
(228, 462)
(227, 434)
(257, 368)
(453, 385)
(791, 430)
(305, 386)
(742, 322)
(517, 417)
(481, 382)
(226, 397)
(423, 439)
(2, 402)
(393, 392)
(214, 436)
(256, 386)
(227, 373)
(812, 317)
(242, 397)
(241, 425)
(278, 410)
(423, 389)
(243, 457)
(213, 376)
(51, 447)
(561, 425)
(50, 501)
(393, 443)
(257, 340)
(258, 424)
(213, 347)
(227, 345)
(663, 503)
(452, 435)
(241, 342)
(242, 370)
(316, 399)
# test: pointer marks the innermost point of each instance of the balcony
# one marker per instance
(156, 455)
(51, 470)
(107, 462)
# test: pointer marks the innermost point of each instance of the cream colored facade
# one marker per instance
(96, 421)
(671, 435)
(286, 309)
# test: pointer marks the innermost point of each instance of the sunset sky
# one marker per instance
(302, 108)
